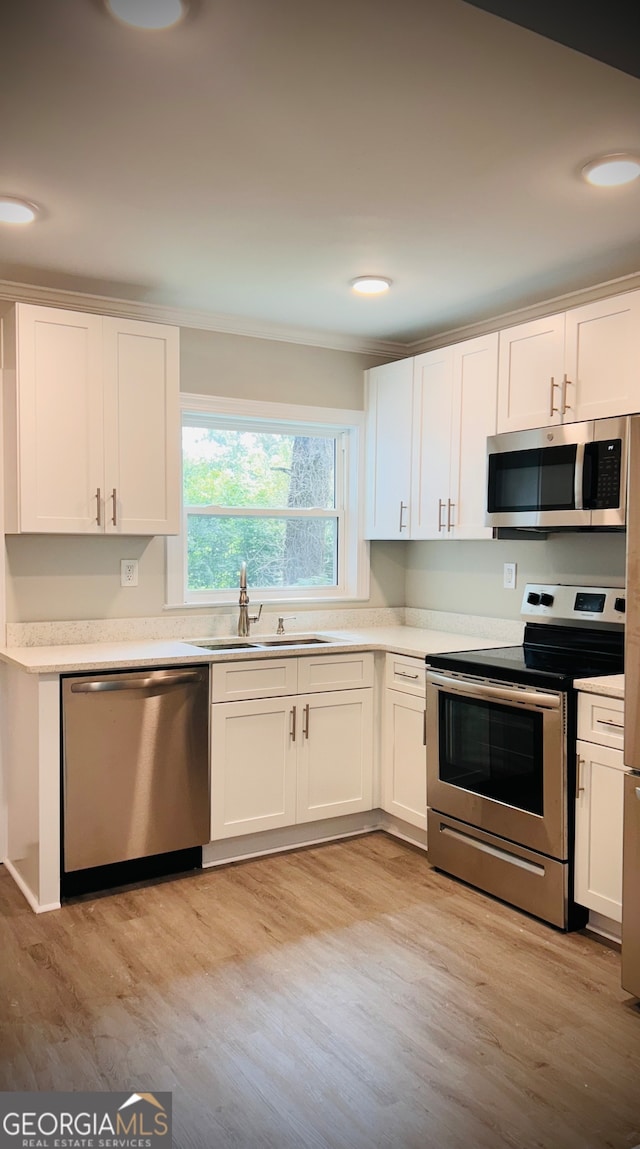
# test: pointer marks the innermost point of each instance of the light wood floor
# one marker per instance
(345, 996)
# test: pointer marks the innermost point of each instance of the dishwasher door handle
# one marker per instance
(161, 679)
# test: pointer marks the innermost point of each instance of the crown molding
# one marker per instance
(202, 320)
(523, 314)
(255, 329)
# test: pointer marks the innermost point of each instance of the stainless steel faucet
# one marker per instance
(244, 618)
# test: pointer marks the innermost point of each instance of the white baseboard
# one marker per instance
(606, 927)
(27, 892)
(308, 834)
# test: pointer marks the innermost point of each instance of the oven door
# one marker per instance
(496, 759)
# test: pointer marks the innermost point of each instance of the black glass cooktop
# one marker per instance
(551, 655)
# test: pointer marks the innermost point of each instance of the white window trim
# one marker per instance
(355, 583)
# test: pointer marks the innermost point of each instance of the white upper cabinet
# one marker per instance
(602, 358)
(530, 373)
(433, 387)
(92, 424)
(428, 420)
(475, 373)
(583, 364)
(142, 427)
(389, 391)
(454, 412)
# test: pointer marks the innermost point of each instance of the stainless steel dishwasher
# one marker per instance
(135, 765)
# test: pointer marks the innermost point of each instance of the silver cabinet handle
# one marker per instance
(440, 522)
(98, 507)
(403, 674)
(565, 383)
(95, 686)
(579, 788)
(553, 410)
(608, 722)
(305, 721)
(293, 724)
(403, 506)
(450, 507)
(114, 517)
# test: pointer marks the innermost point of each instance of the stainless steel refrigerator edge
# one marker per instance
(136, 765)
(631, 847)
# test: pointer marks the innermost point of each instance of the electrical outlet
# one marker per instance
(509, 576)
(128, 572)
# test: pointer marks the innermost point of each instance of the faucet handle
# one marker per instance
(256, 617)
(281, 621)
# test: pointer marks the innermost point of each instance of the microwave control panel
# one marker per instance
(558, 604)
(603, 474)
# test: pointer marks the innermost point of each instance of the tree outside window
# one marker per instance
(266, 498)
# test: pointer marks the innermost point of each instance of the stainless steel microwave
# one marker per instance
(564, 477)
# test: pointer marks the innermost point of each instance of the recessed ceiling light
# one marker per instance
(148, 13)
(13, 210)
(370, 284)
(612, 171)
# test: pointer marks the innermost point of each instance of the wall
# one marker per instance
(69, 577)
(243, 368)
(467, 576)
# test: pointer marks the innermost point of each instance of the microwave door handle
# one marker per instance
(589, 474)
(579, 476)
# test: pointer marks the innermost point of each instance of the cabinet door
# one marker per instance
(142, 428)
(335, 754)
(404, 760)
(530, 373)
(475, 372)
(253, 766)
(59, 415)
(388, 450)
(603, 358)
(599, 829)
(432, 413)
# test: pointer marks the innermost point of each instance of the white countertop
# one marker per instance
(611, 685)
(85, 657)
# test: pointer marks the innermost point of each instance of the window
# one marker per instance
(273, 486)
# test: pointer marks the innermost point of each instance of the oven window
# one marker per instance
(493, 750)
(542, 479)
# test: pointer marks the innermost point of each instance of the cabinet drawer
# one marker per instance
(405, 674)
(264, 678)
(335, 672)
(601, 720)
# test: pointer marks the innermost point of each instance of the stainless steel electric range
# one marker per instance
(501, 763)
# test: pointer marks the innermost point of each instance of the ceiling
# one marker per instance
(252, 160)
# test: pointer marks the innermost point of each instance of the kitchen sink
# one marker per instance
(292, 641)
(258, 644)
(225, 644)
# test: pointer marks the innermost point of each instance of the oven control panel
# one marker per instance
(559, 604)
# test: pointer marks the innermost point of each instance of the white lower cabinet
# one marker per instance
(335, 754)
(281, 760)
(404, 762)
(253, 766)
(599, 806)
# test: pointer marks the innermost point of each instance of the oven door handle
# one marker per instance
(497, 693)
